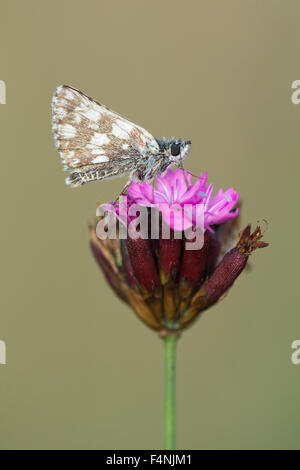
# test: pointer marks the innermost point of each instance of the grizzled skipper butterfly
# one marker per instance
(96, 143)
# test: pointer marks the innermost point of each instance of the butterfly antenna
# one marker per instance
(192, 174)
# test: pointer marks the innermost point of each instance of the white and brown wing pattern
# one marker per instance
(93, 141)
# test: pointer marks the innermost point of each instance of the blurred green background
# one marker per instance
(82, 371)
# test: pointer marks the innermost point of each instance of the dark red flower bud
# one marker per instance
(169, 257)
(143, 264)
(194, 262)
(127, 266)
(233, 263)
(225, 274)
(103, 256)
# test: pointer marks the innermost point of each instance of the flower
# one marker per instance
(175, 190)
(165, 282)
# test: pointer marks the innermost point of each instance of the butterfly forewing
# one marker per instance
(91, 137)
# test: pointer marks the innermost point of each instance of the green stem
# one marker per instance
(170, 389)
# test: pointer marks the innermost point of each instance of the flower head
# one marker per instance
(166, 283)
(176, 197)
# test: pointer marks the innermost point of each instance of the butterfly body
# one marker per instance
(96, 143)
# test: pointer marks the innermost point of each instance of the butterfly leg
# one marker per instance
(185, 178)
(122, 193)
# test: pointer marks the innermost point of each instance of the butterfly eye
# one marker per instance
(175, 149)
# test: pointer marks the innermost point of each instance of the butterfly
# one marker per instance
(96, 143)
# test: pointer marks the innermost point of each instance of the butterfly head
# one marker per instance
(176, 150)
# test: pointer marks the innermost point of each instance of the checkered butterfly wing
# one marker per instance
(95, 142)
